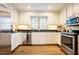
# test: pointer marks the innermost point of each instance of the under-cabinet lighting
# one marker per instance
(49, 7)
(28, 7)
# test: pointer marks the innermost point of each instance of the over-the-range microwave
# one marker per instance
(73, 20)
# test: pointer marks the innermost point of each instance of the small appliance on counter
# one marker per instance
(61, 28)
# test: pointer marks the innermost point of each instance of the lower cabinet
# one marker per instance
(78, 44)
(78, 48)
(45, 38)
(16, 39)
(24, 38)
(36, 38)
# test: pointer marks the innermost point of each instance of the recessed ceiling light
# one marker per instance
(28, 7)
(49, 7)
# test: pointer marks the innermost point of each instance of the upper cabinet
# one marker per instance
(62, 16)
(10, 10)
(69, 10)
(76, 8)
(4, 10)
(4, 7)
(25, 20)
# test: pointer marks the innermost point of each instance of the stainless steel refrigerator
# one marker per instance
(5, 33)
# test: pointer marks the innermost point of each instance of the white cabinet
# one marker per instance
(48, 38)
(19, 38)
(59, 38)
(76, 8)
(78, 44)
(13, 41)
(23, 37)
(16, 39)
(45, 38)
(62, 16)
(69, 10)
(4, 7)
(35, 38)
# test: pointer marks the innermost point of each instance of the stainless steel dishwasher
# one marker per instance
(5, 43)
(27, 41)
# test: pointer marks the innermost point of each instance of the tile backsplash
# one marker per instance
(74, 27)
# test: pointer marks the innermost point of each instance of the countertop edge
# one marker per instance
(38, 31)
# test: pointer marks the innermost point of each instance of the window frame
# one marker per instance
(38, 17)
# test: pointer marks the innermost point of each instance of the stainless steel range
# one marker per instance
(69, 43)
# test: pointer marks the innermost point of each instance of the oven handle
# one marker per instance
(67, 35)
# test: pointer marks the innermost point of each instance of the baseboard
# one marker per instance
(40, 44)
(26, 44)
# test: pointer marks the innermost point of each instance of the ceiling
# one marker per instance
(56, 7)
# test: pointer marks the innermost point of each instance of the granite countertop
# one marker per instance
(10, 31)
(38, 31)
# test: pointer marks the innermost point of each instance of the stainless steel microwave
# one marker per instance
(73, 20)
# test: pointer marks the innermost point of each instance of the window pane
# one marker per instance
(34, 22)
(43, 22)
(38, 22)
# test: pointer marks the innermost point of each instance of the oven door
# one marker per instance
(67, 42)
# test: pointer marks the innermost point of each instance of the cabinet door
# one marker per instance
(59, 38)
(14, 41)
(24, 38)
(76, 8)
(19, 38)
(49, 38)
(69, 10)
(13, 45)
(63, 17)
(78, 44)
(52, 38)
(45, 38)
(4, 8)
(35, 38)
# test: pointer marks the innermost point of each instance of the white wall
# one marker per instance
(24, 17)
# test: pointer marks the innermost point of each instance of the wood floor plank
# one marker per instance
(38, 50)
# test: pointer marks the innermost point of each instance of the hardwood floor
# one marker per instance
(38, 50)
